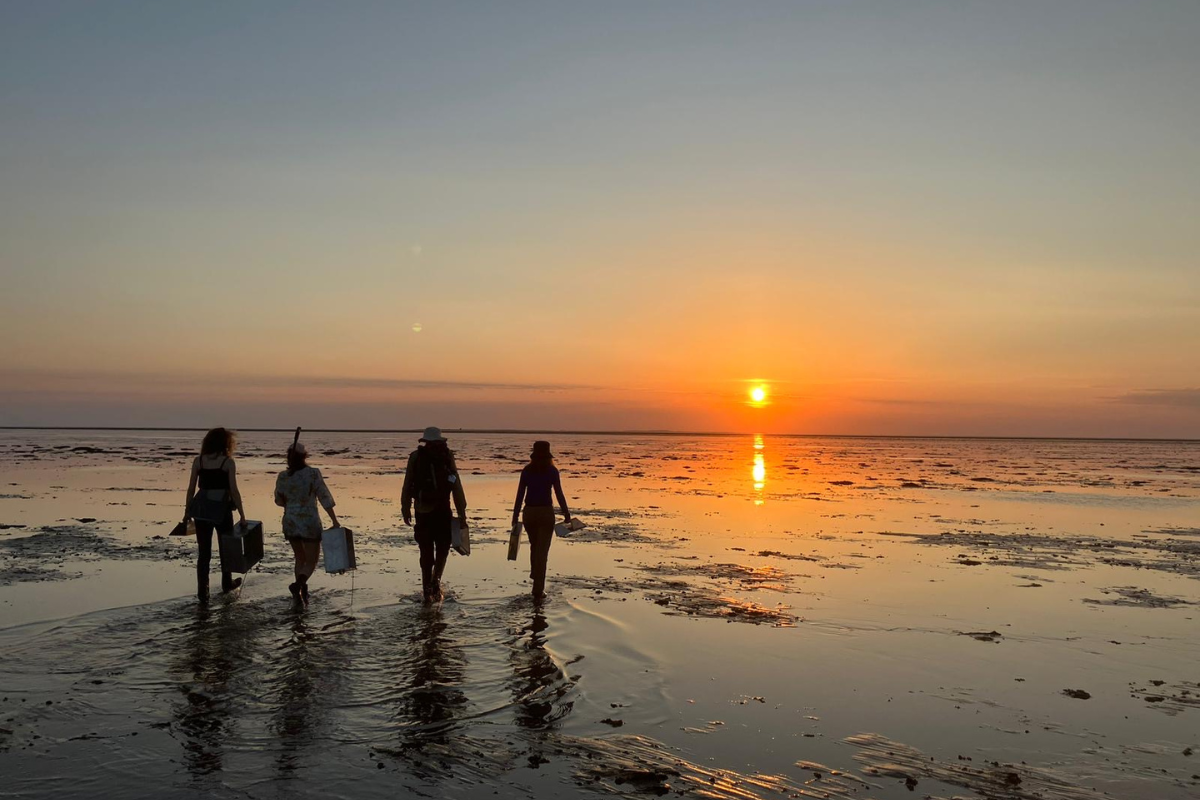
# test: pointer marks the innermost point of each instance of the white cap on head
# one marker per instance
(432, 434)
(299, 449)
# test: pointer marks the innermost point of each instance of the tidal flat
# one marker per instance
(743, 617)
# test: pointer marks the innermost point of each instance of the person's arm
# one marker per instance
(562, 500)
(460, 499)
(326, 498)
(522, 485)
(187, 504)
(406, 493)
(234, 493)
(280, 497)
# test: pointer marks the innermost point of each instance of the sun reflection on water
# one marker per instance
(759, 470)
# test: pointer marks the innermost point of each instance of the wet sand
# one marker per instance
(743, 617)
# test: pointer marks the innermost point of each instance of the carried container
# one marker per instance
(567, 528)
(242, 547)
(514, 541)
(338, 544)
(460, 537)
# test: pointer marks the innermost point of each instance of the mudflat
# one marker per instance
(742, 617)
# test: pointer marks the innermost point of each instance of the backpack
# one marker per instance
(435, 481)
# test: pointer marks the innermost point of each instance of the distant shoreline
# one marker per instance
(535, 432)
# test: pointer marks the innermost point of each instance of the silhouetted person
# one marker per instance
(430, 479)
(298, 490)
(538, 478)
(211, 506)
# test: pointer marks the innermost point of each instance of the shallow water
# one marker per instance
(743, 617)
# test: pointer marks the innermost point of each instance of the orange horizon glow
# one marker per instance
(896, 407)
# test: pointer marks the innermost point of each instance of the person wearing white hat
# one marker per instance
(297, 490)
(430, 480)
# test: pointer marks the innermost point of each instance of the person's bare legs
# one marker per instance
(298, 551)
(312, 552)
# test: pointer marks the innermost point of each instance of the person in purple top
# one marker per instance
(537, 479)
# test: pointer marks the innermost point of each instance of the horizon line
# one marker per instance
(625, 432)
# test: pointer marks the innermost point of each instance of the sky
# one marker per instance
(903, 218)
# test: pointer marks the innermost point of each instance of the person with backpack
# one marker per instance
(430, 480)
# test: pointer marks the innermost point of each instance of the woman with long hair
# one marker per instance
(212, 496)
(538, 478)
(297, 490)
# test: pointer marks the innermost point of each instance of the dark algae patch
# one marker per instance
(884, 758)
(638, 766)
(1134, 597)
(1169, 698)
(48, 553)
(680, 597)
(1039, 551)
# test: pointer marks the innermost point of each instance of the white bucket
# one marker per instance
(338, 544)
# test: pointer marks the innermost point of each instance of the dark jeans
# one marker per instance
(432, 532)
(204, 536)
(539, 524)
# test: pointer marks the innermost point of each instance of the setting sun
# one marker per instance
(758, 395)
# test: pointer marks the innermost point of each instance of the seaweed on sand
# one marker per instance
(683, 598)
(1137, 598)
(1041, 551)
(989, 780)
(637, 766)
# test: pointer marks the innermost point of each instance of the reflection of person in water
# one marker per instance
(309, 672)
(539, 683)
(203, 713)
(437, 665)
(294, 718)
